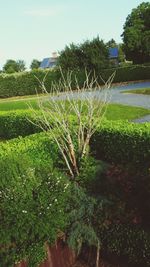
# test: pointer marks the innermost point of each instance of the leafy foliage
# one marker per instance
(100, 198)
(26, 83)
(12, 66)
(17, 123)
(92, 55)
(80, 210)
(122, 142)
(33, 201)
(35, 64)
(130, 242)
(136, 34)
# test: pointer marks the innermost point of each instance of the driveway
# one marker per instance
(131, 99)
(117, 96)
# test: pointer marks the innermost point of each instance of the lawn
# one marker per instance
(114, 111)
(144, 91)
(17, 104)
(122, 112)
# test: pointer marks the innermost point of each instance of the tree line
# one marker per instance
(12, 65)
(94, 54)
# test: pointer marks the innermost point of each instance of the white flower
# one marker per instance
(66, 186)
(24, 211)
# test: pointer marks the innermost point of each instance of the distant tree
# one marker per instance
(35, 64)
(111, 43)
(95, 54)
(12, 66)
(92, 55)
(21, 65)
(121, 53)
(136, 34)
(70, 57)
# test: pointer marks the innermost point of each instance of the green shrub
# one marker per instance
(22, 123)
(26, 165)
(17, 123)
(129, 241)
(115, 142)
(33, 198)
(122, 142)
(27, 84)
(39, 147)
(125, 74)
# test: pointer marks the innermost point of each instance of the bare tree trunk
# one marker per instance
(98, 254)
(73, 142)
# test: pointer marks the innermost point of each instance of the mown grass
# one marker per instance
(17, 104)
(122, 112)
(145, 91)
(114, 111)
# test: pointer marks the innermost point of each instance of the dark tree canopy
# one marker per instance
(12, 66)
(21, 65)
(92, 55)
(35, 64)
(111, 43)
(136, 34)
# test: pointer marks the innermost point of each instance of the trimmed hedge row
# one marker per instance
(36, 146)
(26, 83)
(122, 142)
(22, 158)
(118, 142)
(125, 74)
(34, 196)
(22, 123)
(130, 242)
(17, 123)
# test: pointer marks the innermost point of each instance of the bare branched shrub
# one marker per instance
(86, 106)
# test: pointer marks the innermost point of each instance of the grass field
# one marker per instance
(114, 111)
(145, 91)
(17, 104)
(122, 112)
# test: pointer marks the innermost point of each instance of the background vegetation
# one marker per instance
(136, 34)
(27, 83)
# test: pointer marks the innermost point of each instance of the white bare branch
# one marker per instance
(87, 105)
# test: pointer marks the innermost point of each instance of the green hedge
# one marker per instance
(36, 146)
(17, 123)
(125, 74)
(22, 123)
(114, 141)
(130, 242)
(26, 83)
(34, 196)
(122, 143)
(25, 165)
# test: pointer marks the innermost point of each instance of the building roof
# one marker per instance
(48, 63)
(113, 52)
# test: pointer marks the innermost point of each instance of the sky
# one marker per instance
(35, 28)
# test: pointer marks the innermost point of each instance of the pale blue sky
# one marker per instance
(36, 28)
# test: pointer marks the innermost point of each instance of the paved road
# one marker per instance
(136, 100)
(143, 119)
(131, 99)
(116, 96)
